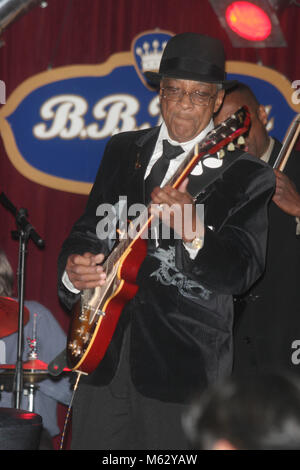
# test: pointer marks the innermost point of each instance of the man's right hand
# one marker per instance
(85, 271)
(286, 195)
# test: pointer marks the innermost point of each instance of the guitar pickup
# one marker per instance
(88, 308)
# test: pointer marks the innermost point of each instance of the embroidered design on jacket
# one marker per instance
(167, 274)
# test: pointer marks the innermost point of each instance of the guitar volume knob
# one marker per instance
(85, 337)
(80, 331)
(75, 348)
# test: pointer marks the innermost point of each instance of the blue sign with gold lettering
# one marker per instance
(56, 124)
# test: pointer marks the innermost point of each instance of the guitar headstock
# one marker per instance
(228, 133)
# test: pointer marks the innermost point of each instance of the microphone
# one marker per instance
(28, 228)
(22, 222)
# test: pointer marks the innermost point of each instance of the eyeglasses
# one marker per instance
(176, 94)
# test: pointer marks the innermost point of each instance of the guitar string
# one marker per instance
(107, 286)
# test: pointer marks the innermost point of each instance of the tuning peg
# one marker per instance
(221, 153)
(231, 147)
(241, 140)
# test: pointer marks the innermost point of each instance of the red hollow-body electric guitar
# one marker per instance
(96, 314)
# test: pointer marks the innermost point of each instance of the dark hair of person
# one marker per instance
(245, 91)
(261, 413)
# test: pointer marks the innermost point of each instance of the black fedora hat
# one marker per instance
(192, 56)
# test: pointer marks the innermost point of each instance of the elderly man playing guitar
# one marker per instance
(165, 326)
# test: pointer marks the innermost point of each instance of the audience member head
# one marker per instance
(6, 276)
(257, 140)
(260, 413)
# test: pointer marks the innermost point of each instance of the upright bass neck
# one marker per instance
(288, 144)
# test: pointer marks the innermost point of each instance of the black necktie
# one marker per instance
(161, 166)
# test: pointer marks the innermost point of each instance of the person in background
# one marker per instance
(41, 333)
(267, 316)
(261, 414)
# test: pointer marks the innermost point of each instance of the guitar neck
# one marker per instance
(215, 140)
(288, 144)
(116, 253)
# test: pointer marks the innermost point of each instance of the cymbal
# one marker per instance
(9, 316)
(33, 371)
(29, 376)
(34, 364)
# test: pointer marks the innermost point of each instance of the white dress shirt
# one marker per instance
(175, 162)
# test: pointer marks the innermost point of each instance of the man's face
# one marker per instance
(184, 119)
(257, 140)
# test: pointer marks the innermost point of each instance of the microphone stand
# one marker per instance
(24, 233)
(18, 381)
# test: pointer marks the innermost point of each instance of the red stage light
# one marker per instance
(248, 21)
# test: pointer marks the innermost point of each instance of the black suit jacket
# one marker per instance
(267, 318)
(181, 318)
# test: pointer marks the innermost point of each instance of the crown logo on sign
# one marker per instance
(147, 49)
(150, 57)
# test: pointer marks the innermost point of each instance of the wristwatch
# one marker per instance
(195, 244)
